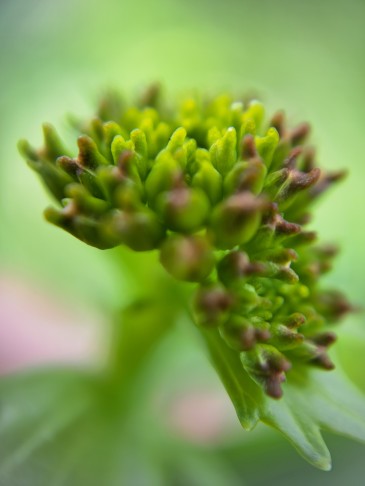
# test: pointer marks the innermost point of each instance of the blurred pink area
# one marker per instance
(37, 329)
(204, 416)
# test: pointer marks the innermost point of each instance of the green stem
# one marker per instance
(155, 303)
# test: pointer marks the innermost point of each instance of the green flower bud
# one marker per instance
(111, 129)
(223, 152)
(212, 305)
(295, 182)
(246, 176)
(162, 177)
(209, 180)
(267, 366)
(242, 335)
(84, 201)
(89, 155)
(187, 258)
(284, 338)
(177, 140)
(139, 230)
(235, 266)
(280, 272)
(140, 146)
(183, 209)
(52, 176)
(255, 113)
(236, 220)
(237, 193)
(266, 145)
(53, 146)
(120, 145)
(86, 177)
(85, 228)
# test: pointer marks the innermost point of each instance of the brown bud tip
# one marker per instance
(308, 160)
(248, 147)
(262, 335)
(303, 238)
(233, 266)
(297, 181)
(124, 161)
(251, 175)
(151, 95)
(299, 133)
(278, 122)
(236, 220)
(323, 361)
(334, 305)
(272, 386)
(70, 166)
(294, 320)
(326, 181)
(283, 227)
(324, 339)
(291, 161)
(211, 303)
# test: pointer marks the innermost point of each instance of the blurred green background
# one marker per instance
(306, 57)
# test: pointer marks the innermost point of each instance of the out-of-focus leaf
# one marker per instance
(75, 428)
(68, 428)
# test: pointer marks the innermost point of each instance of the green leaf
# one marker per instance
(325, 401)
(66, 427)
(313, 400)
(246, 396)
(35, 409)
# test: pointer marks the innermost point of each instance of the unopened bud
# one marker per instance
(266, 366)
(188, 258)
(297, 181)
(139, 230)
(209, 180)
(266, 145)
(284, 338)
(162, 176)
(299, 134)
(80, 174)
(241, 335)
(89, 155)
(224, 152)
(183, 209)
(255, 113)
(236, 265)
(248, 147)
(236, 220)
(53, 146)
(212, 305)
(246, 176)
(55, 179)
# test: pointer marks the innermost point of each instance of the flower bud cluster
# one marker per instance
(224, 196)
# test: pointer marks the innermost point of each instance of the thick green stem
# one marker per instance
(155, 301)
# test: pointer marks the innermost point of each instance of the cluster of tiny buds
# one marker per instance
(223, 197)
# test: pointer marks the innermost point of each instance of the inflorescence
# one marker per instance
(223, 195)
